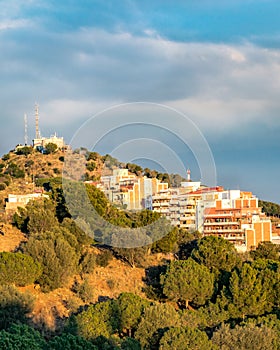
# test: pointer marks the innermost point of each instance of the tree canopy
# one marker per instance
(18, 269)
(185, 339)
(187, 281)
(215, 253)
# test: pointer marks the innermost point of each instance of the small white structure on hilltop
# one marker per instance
(21, 200)
(43, 141)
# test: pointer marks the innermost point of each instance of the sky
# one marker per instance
(215, 62)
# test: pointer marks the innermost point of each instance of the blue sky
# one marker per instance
(218, 62)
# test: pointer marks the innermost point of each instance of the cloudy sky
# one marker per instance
(215, 61)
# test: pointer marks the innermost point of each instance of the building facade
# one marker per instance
(43, 141)
(178, 204)
(21, 200)
(130, 191)
(235, 216)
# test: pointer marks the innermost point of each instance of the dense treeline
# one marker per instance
(271, 209)
(225, 309)
(93, 158)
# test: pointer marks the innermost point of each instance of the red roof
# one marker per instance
(208, 189)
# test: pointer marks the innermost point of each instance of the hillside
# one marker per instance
(182, 291)
(108, 281)
(33, 167)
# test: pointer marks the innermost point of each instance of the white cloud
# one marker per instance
(220, 116)
(14, 24)
(60, 111)
(74, 74)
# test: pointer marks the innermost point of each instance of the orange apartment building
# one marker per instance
(139, 195)
(235, 216)
(130, 191)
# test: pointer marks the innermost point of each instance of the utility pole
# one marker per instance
(25, 130)
(38, 136)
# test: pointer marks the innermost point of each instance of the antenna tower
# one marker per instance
(25, 130)
(37, 121)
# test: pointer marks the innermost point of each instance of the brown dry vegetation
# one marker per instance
(10, 238)
(45, 166)
(51, 309)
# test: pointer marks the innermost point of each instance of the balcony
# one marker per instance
(234, 238)
(221, 223)
(160, 204)
(187, 210)
(214, 230)
(187, 218)
(227, 236)
(218, 215)
(175, 215)
(163, 210)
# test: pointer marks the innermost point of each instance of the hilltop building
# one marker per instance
(40, 142)
(43, 141)
(21, 200)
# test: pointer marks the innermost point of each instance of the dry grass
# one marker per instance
(10, 238)
(51, 310)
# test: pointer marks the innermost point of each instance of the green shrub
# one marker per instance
(93, 156)
(100, 319)
(58, 259)
(110, 283)
(88, 262)
(84, 291)
(14, 306)
(90, 166)
(51, 148)
(24, 150)
(21, 336)
(56, 170)
(69, 341)
(104, 258)
(15, 171)
(6, 157)
(18, 269)
(29, 163)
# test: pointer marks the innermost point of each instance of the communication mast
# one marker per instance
(38, 136)
(25, 130)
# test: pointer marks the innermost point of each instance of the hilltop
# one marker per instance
(21, 173)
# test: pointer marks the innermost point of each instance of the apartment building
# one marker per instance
(178, 204)
(130, 191)
(233, 215)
